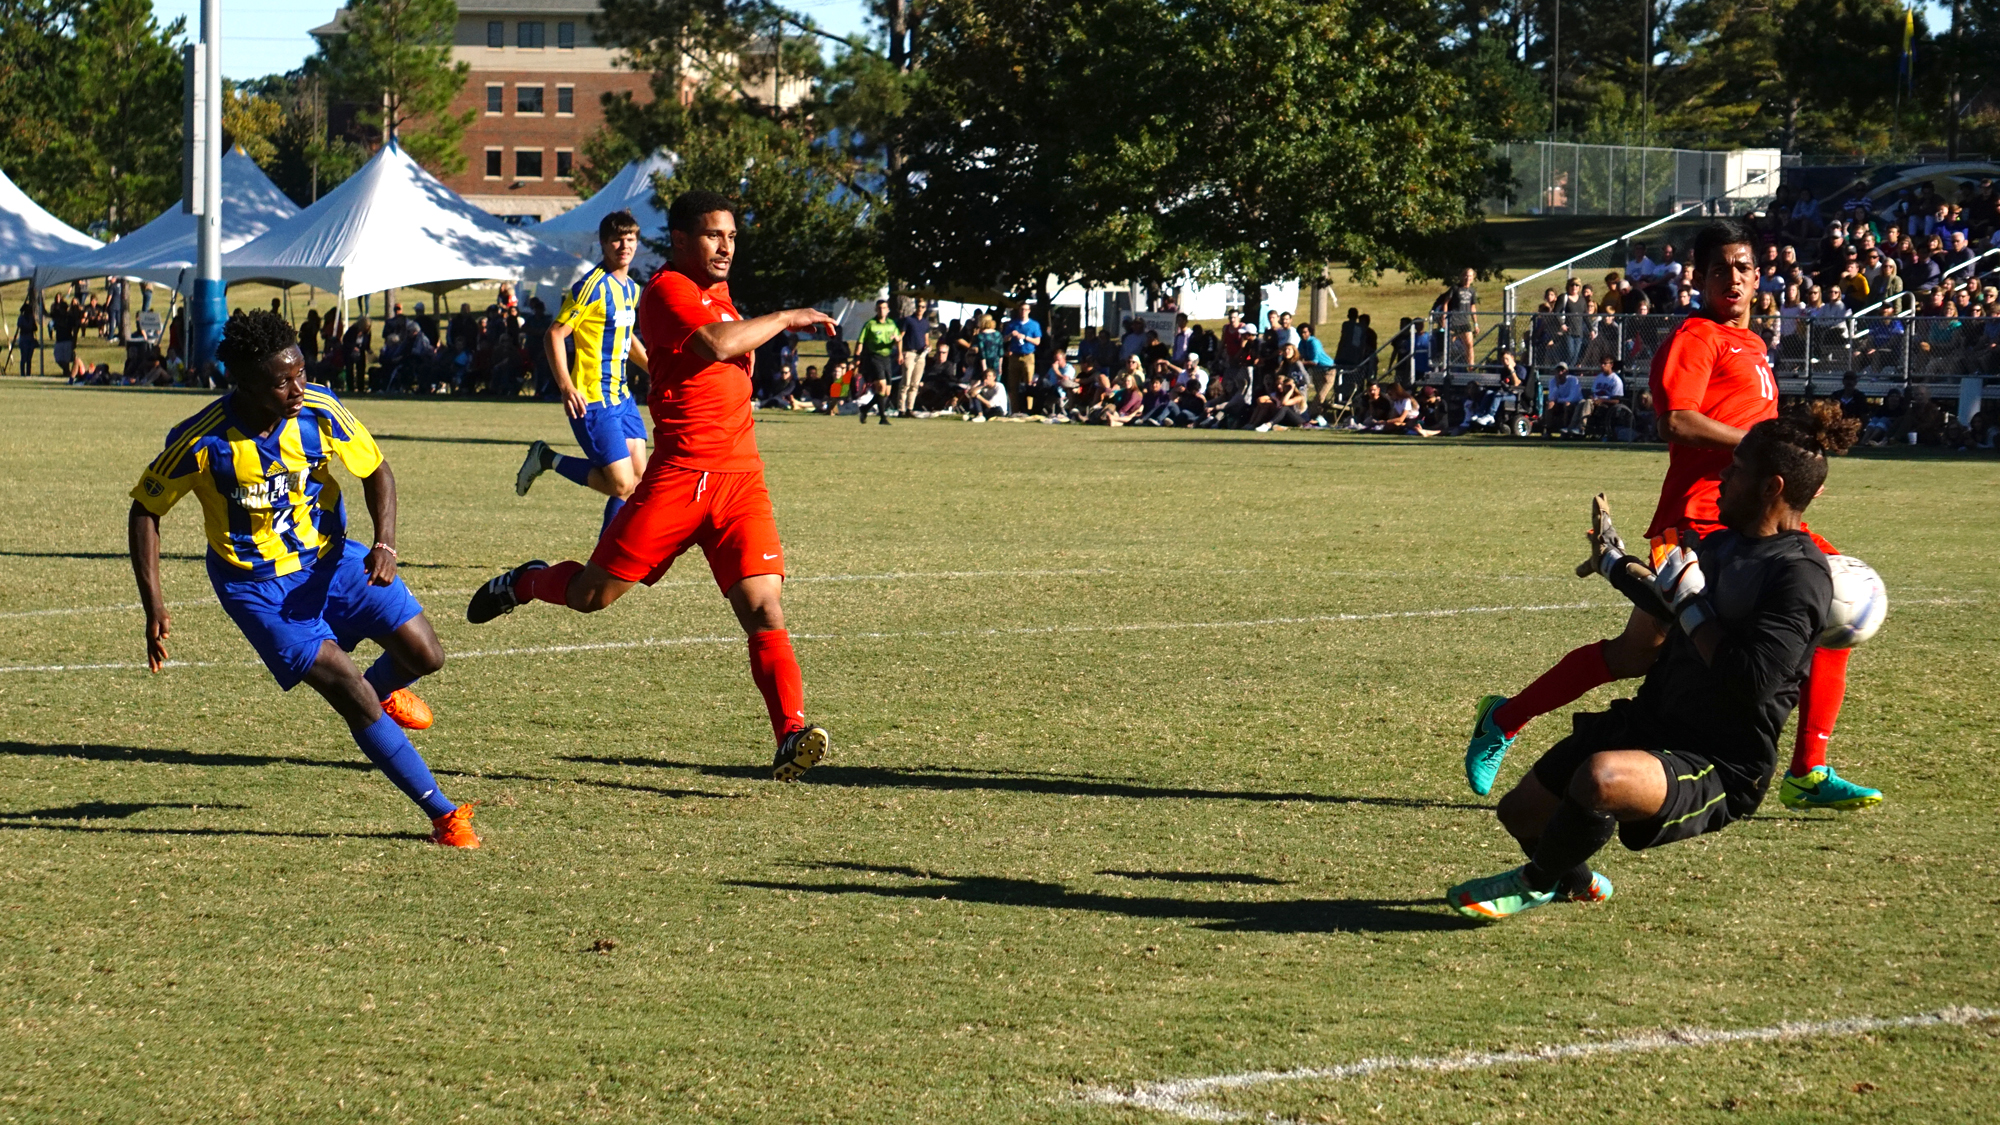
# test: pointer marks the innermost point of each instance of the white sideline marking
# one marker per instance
(1016, 631)
(1182, 1098)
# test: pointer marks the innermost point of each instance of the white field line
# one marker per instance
(1183, 1098)
(1015, 631)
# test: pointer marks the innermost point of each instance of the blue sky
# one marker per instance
(262, 37)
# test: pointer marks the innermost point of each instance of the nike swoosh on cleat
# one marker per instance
(770, 556)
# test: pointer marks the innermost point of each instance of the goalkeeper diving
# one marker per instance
(1696, 748)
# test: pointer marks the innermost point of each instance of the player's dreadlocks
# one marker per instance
(1796, 447)
(252, 338)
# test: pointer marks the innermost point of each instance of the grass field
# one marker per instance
(1146, 768)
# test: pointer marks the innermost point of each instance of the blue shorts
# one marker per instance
(604, 430)
(287, 619)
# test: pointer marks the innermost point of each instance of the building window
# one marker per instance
(496, 33)
(495, 96)
(527, 164)
(528, 34)
(565, 163)
(566, 36)
(493, 163)
(527, 99)
(565, 99)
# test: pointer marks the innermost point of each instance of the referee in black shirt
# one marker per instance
(1695, 749)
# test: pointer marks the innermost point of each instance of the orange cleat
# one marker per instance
(454, 829)
(409, 712)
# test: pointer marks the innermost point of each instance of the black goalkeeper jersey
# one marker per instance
(1770, 596)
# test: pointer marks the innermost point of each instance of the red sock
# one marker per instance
(548, 584)
(1819, 707)
(1573, 675)
(775, 668)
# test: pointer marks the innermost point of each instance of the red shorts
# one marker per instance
(727, 514)
(1695, 529)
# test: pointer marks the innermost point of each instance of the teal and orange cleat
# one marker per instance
(1598, 891)
(1497, 896)
(1488, 747)
(1821, 788)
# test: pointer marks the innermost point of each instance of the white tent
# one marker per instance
(163, 251)
(392, 225)
(631, 190)
(30, 235)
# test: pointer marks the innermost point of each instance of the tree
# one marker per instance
(803, 237)
(297, 150)
(737, 99)
(393, 58)
(90, 99)
(1236, 139)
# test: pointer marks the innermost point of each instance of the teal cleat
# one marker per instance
(1600, 890)
(1821, 788)
(1488, 747)
(1497, 896)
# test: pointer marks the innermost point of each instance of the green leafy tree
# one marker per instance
(803, 237)
(393, 59)
(738, 98)
(299, 152)
(90, 108)
(1223, 139)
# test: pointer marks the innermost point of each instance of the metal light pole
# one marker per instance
(207, 308)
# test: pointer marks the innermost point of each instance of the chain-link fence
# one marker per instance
(1554, 178)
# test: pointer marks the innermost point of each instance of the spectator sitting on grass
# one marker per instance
(1882, 419)
(1404, 416)
(1281, 406)
(1923, 417)
(989, 399)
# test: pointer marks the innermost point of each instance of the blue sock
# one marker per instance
(389, 748)
(611, 507)
(573, 469)
(386, 676)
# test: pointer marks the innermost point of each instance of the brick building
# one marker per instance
(536, 80)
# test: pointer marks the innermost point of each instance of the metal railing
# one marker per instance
(1906, 302)
(1809, 352)
(1559, 178)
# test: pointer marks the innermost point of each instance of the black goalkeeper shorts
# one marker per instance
(1703, 794)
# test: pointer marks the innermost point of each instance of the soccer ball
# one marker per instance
(1860, 603)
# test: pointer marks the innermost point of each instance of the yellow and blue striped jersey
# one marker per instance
(600, 311)
(270, 505)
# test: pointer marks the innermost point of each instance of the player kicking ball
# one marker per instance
(705, 484)
(1710, 383)
(1695, 749)
(260, 461)
(599, 311)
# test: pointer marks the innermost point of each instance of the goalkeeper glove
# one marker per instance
(1681, 584)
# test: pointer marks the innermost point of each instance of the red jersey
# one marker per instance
(701, 410)
(1720, 372)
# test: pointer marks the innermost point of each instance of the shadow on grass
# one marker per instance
(1199, 877)
(97, 753)
(104, 810)
(626, 786)
(942, 779)
(1300, 915)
